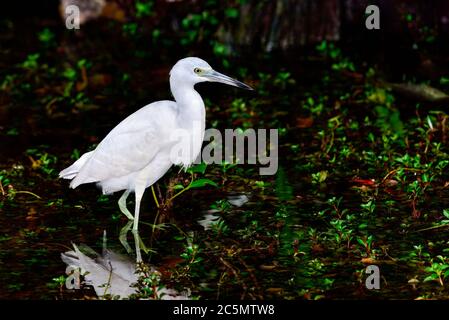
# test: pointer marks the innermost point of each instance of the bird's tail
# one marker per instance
(72, 171)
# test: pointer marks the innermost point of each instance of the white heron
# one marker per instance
(136, 153)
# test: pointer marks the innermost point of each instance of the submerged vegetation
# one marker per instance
(363, 175)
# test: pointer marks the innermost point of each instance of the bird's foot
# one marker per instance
(123, 237)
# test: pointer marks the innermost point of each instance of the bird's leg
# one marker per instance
(140, 189)
(105, 243)
(122, 205)
(137, 241)
(139, 244)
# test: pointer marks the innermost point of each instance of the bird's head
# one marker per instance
(193, 70)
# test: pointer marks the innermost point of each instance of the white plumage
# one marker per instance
(138, 151)
(112, 273)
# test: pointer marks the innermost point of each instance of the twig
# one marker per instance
(108, 284)
(392, 172)
(253, 277)
(236, 275)
(154, 196)
(431, 228)
(183, 190)
(28, 192)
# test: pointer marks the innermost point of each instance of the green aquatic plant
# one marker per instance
(42, 161)
(144, 8)
(438, 270)
(46, 36)
(31, 62)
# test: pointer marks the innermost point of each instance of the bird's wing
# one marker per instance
(131, 145)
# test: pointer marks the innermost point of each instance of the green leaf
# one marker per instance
(446, 213)
(431, 278)
(446, 274)
(46, 35)
(178, 187)
(185, 256)
(70, 74)
(202, 182)
(199, 168)
(444, 80)
(231, 13)
(143, 9)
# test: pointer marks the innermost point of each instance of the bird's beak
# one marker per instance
(215, 76)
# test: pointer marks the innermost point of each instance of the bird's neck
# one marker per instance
(191, 118)
(191, 111)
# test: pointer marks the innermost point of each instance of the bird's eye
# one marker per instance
(197, 70)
